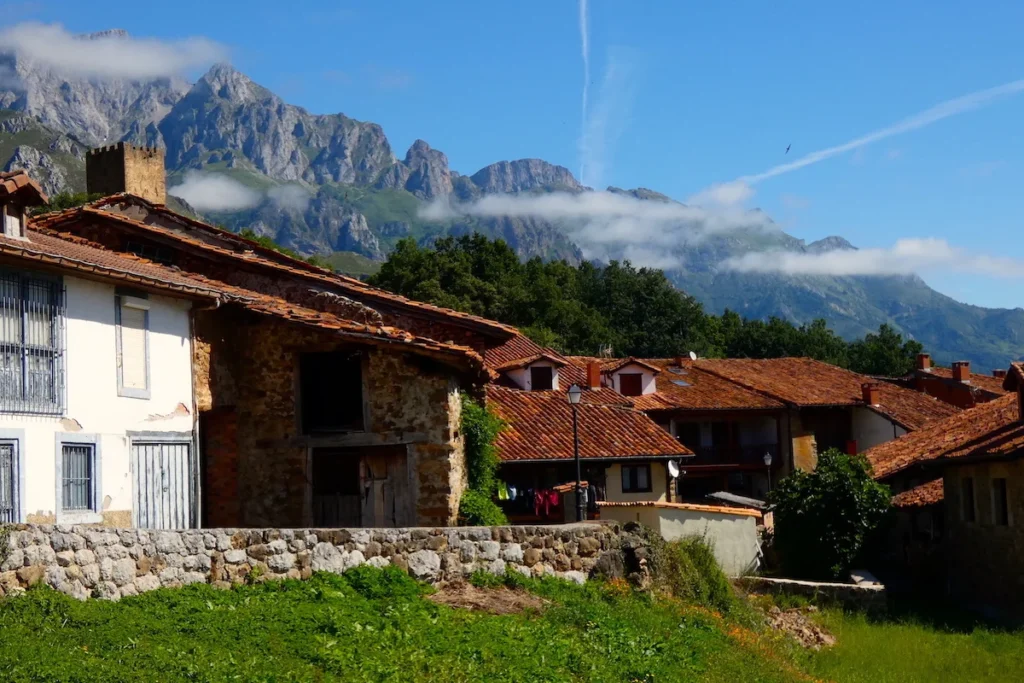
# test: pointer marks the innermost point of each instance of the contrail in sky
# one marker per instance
(959, 105)
(585, 45)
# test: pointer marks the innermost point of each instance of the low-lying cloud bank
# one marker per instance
(905, 257)
(109, 55)
(220, 193)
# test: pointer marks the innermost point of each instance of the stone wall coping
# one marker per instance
(773, 581)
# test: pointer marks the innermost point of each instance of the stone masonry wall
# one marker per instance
(84, 561)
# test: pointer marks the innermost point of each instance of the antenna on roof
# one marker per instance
(693, 355)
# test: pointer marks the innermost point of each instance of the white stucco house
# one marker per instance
(96, 394)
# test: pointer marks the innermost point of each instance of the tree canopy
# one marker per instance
(587, 309)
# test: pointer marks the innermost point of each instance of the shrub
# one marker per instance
(477, 509)
(824, 518)
(687, 569)
(480, 428)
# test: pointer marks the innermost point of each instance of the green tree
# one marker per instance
(824, 518)
(480, 427)
(66, 200)
(885, 353)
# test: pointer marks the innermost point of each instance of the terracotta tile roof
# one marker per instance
(540, 428)
(620, 363)
(702, 391)
(67, 253)
(246, 251)
(530, 360)
(920, 496)
(692, 507)
(987, 383)
(75, 255)
(513, 351)
(804, 382)
(988, 429)
(12, 182)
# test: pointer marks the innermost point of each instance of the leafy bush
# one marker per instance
(824, 518)
(688, 570)
(480, 427)
(477, 509)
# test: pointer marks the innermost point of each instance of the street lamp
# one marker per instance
(768, 466)
(575, 394)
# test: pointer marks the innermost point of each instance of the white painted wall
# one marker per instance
(647, 383)
(521, 376)
(93, 404)
(733, 537)
(659, 484)
(871, 429)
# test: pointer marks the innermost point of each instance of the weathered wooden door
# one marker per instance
(9, 504)
(164, 485)
(387, 487)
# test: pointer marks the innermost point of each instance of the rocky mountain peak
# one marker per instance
(830, 243)
(523, 175)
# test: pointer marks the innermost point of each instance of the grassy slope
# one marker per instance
(370, 625)
(911, 652)
(351, 263)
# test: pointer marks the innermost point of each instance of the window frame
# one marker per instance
(55, 352)
(17, 438)
(1006, 520)
(138, 301)
(633, 486)
(639, 379)
(967, 483)
(93, 514)
(303, 423)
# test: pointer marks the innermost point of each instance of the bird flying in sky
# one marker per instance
(788, 146)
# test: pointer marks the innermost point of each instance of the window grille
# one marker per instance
(77, 467)
(9, 511)
(31, 344)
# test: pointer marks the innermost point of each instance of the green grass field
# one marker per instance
(370, 625)
(909, 650)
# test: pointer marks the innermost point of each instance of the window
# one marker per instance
(10, 508)
(631, 384)
(689, 434)
(1000, 507)
(541, 378)
(132, 347)
(31, 344)
(78, 465)
(636, 478)
(13, 221)
(967, 499)
(331, 391)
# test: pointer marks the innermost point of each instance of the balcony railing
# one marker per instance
(750, 456)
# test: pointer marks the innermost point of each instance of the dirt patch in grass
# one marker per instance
(500, 600)
(800, 626)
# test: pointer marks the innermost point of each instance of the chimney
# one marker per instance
(126, 168)
(1000, 374)
(594, 375)
(870, 392)
(962, 370)
(680, 361)
(924, 361)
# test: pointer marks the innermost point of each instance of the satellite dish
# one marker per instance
(673, 469)
(693, 355)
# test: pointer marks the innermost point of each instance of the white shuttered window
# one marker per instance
(132, 347)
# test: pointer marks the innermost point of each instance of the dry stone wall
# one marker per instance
(85, 561)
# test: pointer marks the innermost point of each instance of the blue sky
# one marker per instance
(701, 93)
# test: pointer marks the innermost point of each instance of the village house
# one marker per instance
(955, 385)
(318, 400)
(737, 415)
(959, 487)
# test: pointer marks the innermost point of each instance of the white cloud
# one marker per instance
(724, 194)
(906, 256)
(215, 192)
(612, 225)
(108, 56)
(294, 197)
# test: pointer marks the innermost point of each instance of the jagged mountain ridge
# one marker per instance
(329, 183)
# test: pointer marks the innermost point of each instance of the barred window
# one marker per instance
(78, 464)
(31, 344)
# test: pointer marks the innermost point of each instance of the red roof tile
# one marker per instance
(540, 428)
(513, 351)
(987, 383)
(702, 391)
(920, 496)
(230, 245)
(530, 360)
(13, 182)
(988, 429)
(805, 382)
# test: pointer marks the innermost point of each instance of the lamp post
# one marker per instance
(575, 394)
(768, 467)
